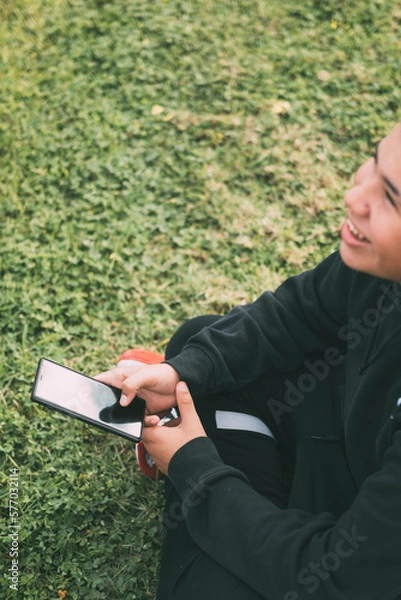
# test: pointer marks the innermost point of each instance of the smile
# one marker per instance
(356, 231)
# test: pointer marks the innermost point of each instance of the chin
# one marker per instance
(357, 263)
(349, 258)
(390, 272)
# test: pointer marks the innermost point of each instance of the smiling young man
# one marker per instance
(371, 235)
(305, 379)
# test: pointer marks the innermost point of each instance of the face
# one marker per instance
(371, 234)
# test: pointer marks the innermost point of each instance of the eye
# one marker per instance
(389, 198)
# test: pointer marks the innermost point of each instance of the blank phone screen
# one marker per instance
(88, 399)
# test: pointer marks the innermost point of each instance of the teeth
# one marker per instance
(355, 231)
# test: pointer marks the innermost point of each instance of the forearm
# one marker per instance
(278, 331)
(288, 554)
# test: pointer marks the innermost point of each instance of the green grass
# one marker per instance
(157, 160)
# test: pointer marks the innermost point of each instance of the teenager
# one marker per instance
(306, 381)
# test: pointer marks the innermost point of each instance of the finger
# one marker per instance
(185, 403)
(118, 378)
(129, 389)
(151, 420)
(142, 380)
(151, 383)
(117, 375)
(112, 377)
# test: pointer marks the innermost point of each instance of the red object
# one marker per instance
(148, 357)
(146, 464)
(145, 461)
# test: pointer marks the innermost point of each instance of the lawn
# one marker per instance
(158, 160)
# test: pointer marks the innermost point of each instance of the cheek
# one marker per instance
(387, 241)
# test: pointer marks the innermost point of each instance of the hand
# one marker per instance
(154, 383)
(163, 442)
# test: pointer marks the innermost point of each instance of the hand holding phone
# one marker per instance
(87, 399)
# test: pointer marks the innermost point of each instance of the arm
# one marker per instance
(291, 554)
(277, 331)
(284, 554)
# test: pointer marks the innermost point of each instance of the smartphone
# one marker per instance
(87, 399)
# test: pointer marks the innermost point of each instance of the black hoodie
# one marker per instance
(340, 536)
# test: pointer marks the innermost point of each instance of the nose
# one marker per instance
(357, 197)
(356, 200)
(365, 171)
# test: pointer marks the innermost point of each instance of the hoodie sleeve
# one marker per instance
(277, 331)
(291, 554)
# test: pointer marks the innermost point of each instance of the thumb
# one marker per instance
(185, 403)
